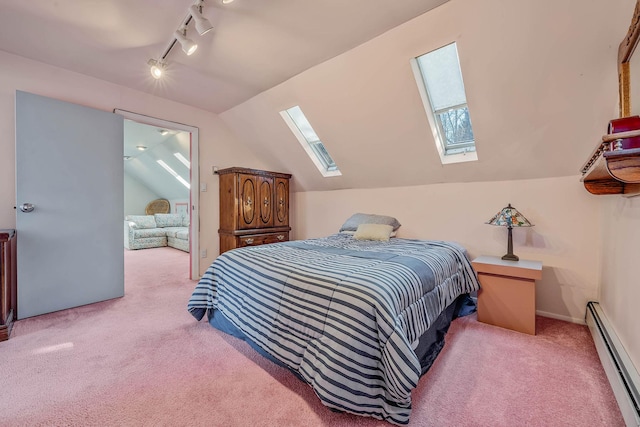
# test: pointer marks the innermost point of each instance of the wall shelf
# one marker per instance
(614, 171)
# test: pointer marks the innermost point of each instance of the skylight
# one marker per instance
(174, 173)
(440, 84)
(183, 160)
(307, 137)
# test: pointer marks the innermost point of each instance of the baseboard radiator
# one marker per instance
(620, 371)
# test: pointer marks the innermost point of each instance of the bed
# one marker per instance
(360, 321)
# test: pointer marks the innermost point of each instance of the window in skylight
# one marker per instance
(301, 128)
(439, 79)
(174, 173)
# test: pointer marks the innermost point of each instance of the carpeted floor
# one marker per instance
(143, 360)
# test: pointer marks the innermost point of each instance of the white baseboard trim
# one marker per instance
(560, 317)
(619, 368)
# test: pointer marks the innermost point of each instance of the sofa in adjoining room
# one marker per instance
(154, 231)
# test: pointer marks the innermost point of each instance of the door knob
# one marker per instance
(27, 207)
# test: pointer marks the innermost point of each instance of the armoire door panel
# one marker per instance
(282, 202)
(266, 205)
(248, 218)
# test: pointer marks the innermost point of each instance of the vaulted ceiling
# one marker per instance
(540, 77)
(144, 145)
(255, 44)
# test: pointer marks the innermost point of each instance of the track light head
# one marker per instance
(203, 25)
(188, 46)
(157, 68)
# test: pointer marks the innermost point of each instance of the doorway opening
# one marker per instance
(160, 168)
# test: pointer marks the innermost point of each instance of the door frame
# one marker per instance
(194, 229)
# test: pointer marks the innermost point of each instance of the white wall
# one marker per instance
(620, 295)
(565, 236)
(218, 146)
(136, 196)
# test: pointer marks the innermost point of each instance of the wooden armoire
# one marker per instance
(254, 207)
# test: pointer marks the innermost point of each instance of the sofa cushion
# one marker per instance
(142, 221)
(183, 234)
(168, 220)
(185, 220)
(148, 232)
(171, 231)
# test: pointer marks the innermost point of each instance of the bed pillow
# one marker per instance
(351, 233)
(373, 232)
(359, 218)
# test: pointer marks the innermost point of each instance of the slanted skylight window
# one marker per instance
(307, 137)
(174, 173)
(439, 79)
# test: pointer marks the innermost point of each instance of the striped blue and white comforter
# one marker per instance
(340, 312)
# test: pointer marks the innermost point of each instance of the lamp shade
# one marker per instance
(509, 217)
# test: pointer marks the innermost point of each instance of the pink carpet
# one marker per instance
(143, 360)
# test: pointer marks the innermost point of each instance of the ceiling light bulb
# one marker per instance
(203, 25)
(157, 68)
(227, 1)
(141, 147)
(163, 132)
(188, 46)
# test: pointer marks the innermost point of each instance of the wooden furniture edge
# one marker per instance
(5, 330)
(253, 172)
(513, 271)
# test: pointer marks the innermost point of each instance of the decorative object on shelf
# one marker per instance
(614, 165)
(612, 168)
(509, 217)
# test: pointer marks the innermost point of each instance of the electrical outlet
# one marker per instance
(203, 187)
(203, 253)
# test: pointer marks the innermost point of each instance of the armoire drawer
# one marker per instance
(262, 239)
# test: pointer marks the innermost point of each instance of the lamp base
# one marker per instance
(511, 257)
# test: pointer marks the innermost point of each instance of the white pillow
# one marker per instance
(351, 233)
(352, 223)
(380, 232)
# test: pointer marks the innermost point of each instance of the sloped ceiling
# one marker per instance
(255, 44)
(142, 165)
(541, 84)
(540, 77)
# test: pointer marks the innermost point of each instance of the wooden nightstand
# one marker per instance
(507, 297)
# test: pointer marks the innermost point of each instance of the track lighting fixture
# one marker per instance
(157, 68)
(188, 46)
(203, 26)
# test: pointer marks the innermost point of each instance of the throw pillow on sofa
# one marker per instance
(168, 220)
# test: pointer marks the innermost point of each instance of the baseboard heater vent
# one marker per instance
(620, 371)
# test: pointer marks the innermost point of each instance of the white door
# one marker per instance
(69, 192)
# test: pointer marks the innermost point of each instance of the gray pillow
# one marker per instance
(359, 218)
